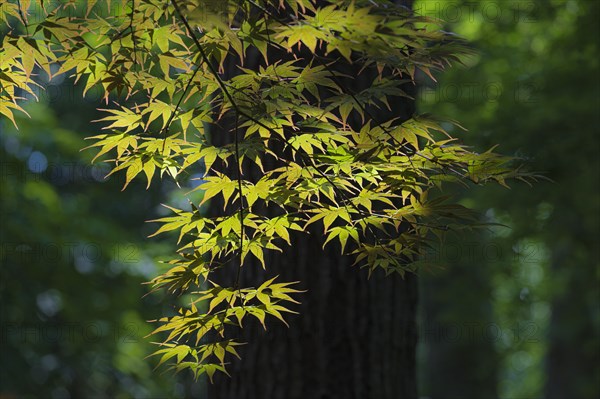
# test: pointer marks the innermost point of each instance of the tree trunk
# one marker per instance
(354, 337)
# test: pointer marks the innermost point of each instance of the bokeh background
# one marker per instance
(511, 311)
(515, 311)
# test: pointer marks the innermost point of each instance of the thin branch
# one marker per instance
(237, 114)
(241, 210)
(20, 7)
(176, 110)
(133, 32)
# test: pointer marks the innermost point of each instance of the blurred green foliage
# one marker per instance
(533, 88)
(74, 256)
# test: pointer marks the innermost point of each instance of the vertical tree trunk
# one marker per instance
(354, 337)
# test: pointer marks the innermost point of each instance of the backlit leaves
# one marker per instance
(283, 146)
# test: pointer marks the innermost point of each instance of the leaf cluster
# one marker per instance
(323, 157)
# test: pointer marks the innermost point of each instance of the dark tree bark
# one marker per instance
(354, 337)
